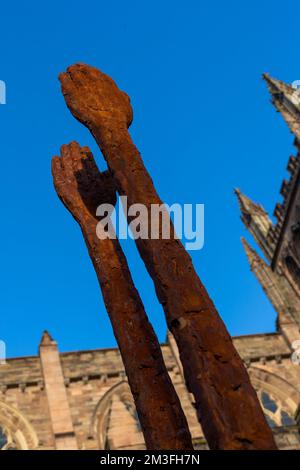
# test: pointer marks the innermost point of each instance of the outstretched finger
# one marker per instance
(68, 154)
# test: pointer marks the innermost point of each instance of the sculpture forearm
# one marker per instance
(81, 188)
(213, 370)
(153, 392)
(226, 402)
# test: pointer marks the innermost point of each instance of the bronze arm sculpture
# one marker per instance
(81, 187)
(227, 406)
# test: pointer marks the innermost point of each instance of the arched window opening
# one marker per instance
(286, 419)
(268, 402)
(274, 412)
(115, 421)
(6, 440)
(3, 439)
(16, 433)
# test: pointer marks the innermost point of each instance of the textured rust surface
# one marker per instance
(81, 187)
(226, 402)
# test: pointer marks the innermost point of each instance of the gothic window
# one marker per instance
(6, 441)
(274, 412)
(115, 406)
(3, 439)
(270, 422)
(286, 419)
(15, 431)
(268, 403)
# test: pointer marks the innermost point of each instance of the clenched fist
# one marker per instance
(94, 99)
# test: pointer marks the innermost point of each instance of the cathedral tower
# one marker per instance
(279, 242)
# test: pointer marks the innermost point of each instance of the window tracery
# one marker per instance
(6, 440)
(275, 413)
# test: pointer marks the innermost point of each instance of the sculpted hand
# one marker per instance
(94, 99)
(79, 184)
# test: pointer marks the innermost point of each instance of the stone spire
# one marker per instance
(46, 339)
(266, 277)
(272, 284)
(257, 221)
(59, 408)
(286, 100)
(279, 292)
(251, 254)
(245, 202)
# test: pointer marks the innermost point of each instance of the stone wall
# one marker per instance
(82, 400)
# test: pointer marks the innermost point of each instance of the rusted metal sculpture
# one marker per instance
(81, 187)
(227, 405)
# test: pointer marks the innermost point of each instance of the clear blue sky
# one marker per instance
(203, 123)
